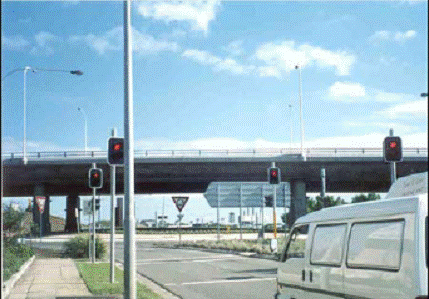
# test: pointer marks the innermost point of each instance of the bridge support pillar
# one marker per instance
(298, 204)
(72, 203)
(39, 190)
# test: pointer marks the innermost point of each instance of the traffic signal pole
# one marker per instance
(273, 165)
(93, 221)
(112, 217)
(392, 165)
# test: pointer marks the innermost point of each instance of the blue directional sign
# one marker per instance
(252, 194)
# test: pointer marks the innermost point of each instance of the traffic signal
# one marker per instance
(97, 204)
(95, 178)
(115, 151)
(392, 149)
(269, 201)
(274, 175)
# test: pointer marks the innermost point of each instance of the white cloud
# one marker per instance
(112, 40)
(14, 43)
(412, 108)
(286, 55)
(44, 43)
(235, 48)
(384, 35)
(346, 89)
(377, 125)
(11, 145)
(198, 14)
(218, 64)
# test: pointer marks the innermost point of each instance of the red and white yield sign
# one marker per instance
(180, 202)
(40, 200)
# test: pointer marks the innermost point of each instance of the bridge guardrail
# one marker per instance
(314, 152)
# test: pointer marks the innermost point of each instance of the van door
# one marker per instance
(291, 270)
(325, 274)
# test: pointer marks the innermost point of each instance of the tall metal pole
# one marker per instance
(291, 126)
(93, 222)
(273, 164)
(300, 112)
(392, 166)
(323, 189)
(24, 143)
(241, 213)
(112, 217)
(218, 206)
(262, 212)
(129, 232)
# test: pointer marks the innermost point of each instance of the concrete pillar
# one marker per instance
(39, 190)
(72, 203)
(298, 205)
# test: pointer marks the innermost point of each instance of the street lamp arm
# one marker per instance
(12, 72)
(73, 72)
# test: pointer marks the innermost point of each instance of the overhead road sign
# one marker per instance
(252, 194)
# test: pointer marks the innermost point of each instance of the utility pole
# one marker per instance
(129, 225)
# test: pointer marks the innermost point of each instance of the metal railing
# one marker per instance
(237, 153)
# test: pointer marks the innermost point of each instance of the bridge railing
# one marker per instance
(312, 152)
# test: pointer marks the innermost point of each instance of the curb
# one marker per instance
(8, 285)
(152, 284)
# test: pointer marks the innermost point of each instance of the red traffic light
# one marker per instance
(273, 173)
(95, 175)
(393, 144)
(117, 146)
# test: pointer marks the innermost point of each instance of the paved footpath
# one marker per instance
(48, 279)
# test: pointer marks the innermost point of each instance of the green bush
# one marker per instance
(78, 247)
(15, 255)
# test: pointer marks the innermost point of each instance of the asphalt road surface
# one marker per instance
(195, 274)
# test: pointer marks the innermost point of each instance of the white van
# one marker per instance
(374, 250)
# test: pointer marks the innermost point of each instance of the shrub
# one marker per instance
(78, 247)
(15, 255)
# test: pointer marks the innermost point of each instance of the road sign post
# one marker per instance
(180, 202)
(40, 200)
(112, 214)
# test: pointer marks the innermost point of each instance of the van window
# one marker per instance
(328, 244)
(376, 245)
(296, 246)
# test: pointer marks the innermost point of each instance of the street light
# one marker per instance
(86, 127)
(300, 112)
(34, 70)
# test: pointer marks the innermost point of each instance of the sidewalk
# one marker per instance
(49, 279)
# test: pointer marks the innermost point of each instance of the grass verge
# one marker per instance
(97, 278)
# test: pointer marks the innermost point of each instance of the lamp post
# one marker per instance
(34, 70)
(291, 123)
(86, 127)
(300, 112)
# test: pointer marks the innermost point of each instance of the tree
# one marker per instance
(365, 198)
(12, 220)
(323, 202)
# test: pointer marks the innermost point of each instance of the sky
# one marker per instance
(215, 75)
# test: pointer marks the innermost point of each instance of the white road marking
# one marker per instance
(178, 260)
(221, 281)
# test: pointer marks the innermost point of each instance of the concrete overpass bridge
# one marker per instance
(190, 171)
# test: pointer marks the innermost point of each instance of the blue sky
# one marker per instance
(217, 75)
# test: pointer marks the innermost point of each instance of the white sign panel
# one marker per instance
(87, 207)
(410, 185)
(251, 194)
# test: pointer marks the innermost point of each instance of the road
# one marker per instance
(195, 274)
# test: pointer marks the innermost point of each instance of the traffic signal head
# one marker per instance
(274, 175)
(97, 203)
(392, 149)
(268, 201)
(115, 151)
(95, 178)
